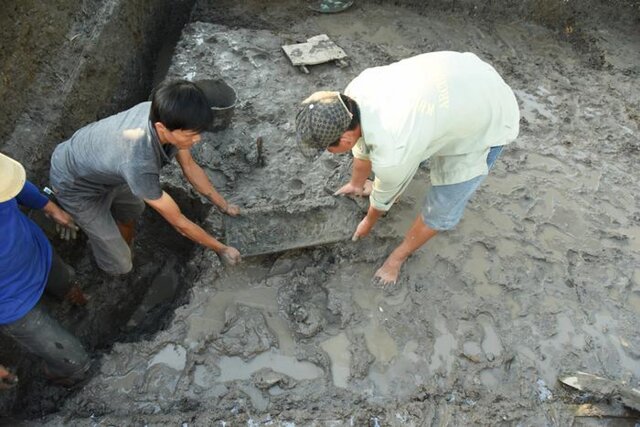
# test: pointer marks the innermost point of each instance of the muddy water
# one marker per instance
(539, 277)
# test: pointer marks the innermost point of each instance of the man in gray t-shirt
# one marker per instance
(107, 170)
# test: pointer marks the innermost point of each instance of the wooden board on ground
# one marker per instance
(298, 224)
(590, 383)
(330, 6)
(316, 50)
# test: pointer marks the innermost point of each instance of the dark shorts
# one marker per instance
(42, 335)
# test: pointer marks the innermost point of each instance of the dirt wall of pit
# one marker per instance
(67, 63)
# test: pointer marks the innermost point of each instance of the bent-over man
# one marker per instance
(449, 107)
(106, 172)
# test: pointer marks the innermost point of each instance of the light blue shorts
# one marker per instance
(444, 204)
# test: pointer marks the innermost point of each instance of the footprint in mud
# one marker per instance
(296, 184)
(491, 343)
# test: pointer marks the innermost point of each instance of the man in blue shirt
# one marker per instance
(28, 267)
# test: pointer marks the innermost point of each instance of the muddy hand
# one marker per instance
(352, 190)
(67, 232)
(7, 379)
(232, 210)
(230, 255)
(65, 227)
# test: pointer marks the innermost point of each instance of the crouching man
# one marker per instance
(28, 267)
(449, 107)
(106, 172)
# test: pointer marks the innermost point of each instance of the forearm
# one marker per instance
(202, 184)
(195, 233)
(31, 197)
(360, 172)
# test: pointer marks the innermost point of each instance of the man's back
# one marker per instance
(443, 103)
(120, 149)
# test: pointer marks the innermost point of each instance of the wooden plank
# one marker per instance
(317, 50)
(602, 386)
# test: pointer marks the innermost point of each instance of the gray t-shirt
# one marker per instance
(120, 149)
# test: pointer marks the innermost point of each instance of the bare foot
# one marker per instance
(388, 273)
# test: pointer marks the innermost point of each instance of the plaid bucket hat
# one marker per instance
(320, 122)
(12, 178)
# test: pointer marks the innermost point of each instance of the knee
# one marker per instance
(440, 218)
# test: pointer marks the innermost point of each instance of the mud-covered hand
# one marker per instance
(65, 227)
(231, 209)
(350, 189)
(7, 379)
(230, 255)
(363, 229)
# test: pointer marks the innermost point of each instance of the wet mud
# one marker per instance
(538, 279)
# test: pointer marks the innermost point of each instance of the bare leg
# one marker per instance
(127, 230)
(418, 235)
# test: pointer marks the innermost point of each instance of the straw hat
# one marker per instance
(12, 178)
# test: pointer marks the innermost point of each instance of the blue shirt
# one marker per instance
(25, 256)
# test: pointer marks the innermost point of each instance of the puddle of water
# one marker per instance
(172, 355)
(379, 342)
(443, 347)
(234, 368)
(209, 319)
(338, 350)
(367, 299)
(531, 108)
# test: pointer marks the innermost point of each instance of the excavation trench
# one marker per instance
(483, 320)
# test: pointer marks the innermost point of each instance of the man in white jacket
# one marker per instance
(449, 107)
